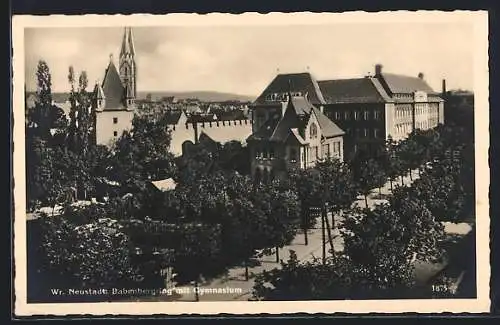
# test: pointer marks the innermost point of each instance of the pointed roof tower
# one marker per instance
(127, 42)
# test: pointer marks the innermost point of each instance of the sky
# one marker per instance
(244, 59)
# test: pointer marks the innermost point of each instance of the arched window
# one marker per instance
(313, 131)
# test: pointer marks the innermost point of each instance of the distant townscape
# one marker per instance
(355, 188)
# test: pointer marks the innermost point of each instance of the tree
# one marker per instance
(385, 241)
(306, 188)
(40, 114)
(296, 280)
(142, 154)
(391, 161)
(367, 174)
(234, 156)
(93, 255)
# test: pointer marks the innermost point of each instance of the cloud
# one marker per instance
(244, 59)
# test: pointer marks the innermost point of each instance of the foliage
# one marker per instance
(367, 173)
(93, 255)
(142, 154)
(297, 280)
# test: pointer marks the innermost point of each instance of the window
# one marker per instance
(366, 115)
(115, 133)
(326, 150)
(115, 120)
(293, 155)
(316, 149)
(357, 132)
(313, 131)
(337, 115)
(376, 133)
(356, 115)
(376, 114)
(346, 115)
(365, 133)
(336, 149)
(258, 153)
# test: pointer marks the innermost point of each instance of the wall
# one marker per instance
(106, 128)
(219, 131)
(344, 116)
(441, 112)
(179, 134)
(225, 131)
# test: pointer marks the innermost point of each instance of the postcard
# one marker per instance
(253, 163)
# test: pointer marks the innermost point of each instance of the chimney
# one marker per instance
(444, 87)
(378, 70)
(420, 75)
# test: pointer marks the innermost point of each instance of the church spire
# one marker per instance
(127, 43)
(128, 68)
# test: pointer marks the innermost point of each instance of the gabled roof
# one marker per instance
(113, 88)
(328, 127)
(172, 117)
(400, 84)
(347, 91)
(293, 122)
(267, 129)
(295, 82)
(293, 118)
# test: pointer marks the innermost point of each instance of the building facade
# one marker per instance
(289, 132)
(375, 108)
(369, 109)
(115, 97)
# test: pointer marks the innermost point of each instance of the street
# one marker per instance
(236, 275)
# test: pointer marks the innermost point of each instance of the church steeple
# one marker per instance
(128, 68)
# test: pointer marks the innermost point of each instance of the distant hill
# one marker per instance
(205, 96)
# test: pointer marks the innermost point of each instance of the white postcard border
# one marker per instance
(481, 80)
